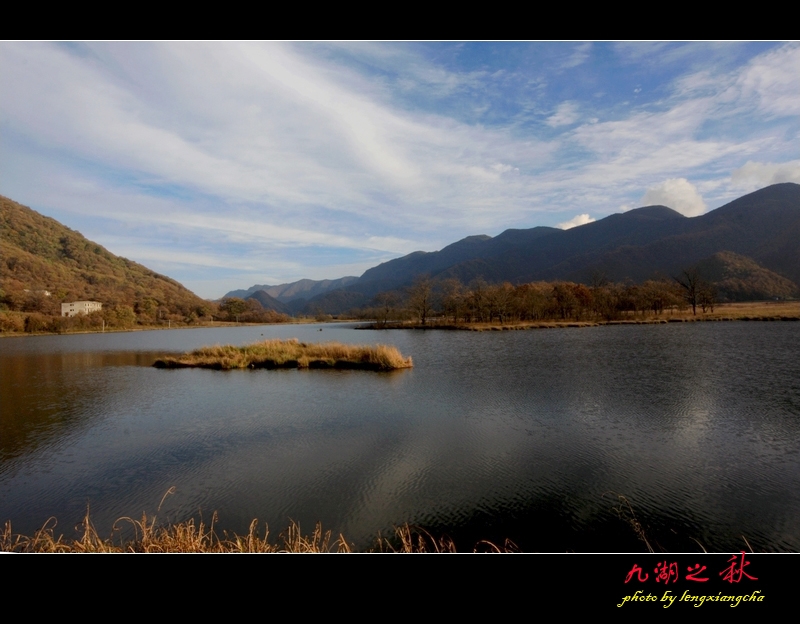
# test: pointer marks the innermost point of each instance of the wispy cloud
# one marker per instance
(772, 79)
(580, 54)
(566, 114)
(343, 154)
(755, 175)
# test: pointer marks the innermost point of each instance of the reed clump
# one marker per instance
(199, 537)
(291, 354)
(183, 537)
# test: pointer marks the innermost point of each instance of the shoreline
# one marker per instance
(479, 327)
(740, 311)
(212, 324)
(745, 311)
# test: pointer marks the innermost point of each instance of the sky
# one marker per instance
(228, 164)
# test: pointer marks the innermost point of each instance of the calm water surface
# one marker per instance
(526, 435)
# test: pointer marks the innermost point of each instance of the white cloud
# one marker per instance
(158, 256)
(755, 175)
(503, 168)
(774, 78)
(579, 56)
(296, 148)
(274, 125)
(678, 194)
(581, 219)
(566, 114)
(264, 124)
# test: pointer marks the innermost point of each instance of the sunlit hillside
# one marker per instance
(43, 263)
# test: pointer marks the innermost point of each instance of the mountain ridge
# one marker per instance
(635, 245)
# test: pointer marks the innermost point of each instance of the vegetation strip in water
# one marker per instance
(291, 354)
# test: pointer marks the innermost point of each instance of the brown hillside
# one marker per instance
(739, 278)
(39, 254)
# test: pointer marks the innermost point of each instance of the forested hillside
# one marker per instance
(43, 263)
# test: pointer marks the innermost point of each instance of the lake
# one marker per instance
(525, 435)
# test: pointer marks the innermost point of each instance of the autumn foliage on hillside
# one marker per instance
(43, 264)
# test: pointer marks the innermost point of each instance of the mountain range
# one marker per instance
(750, 248)
(757, 233)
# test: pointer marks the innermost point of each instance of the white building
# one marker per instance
(80, 307)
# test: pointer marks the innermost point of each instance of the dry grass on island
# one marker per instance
(291, 354)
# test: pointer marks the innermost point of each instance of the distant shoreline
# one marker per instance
(746, 311)
(763, 311)
(118, 330)
(478, 327)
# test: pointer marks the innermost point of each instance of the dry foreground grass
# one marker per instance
(191, 537)
(291, 354)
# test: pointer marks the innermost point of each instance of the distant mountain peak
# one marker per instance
(657, 212)
(304, 288)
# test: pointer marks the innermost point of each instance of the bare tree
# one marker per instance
(499, 298)
(453, 297)
(478, 300)
(386, 302)
(692, 285)
(708, 296)
(565, 299)
(420, 298)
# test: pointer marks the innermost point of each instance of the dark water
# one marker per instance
(529, 436)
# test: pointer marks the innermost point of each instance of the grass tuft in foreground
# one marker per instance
(191, 537)
(291, 354)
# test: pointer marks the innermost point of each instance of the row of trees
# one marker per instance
(115, 317)
(38, 312)
(147, 312)
(503, 303)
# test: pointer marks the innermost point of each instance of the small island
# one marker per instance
(291, 354)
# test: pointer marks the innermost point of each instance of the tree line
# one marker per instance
(427, 300)
(450, 301)
(35, 311)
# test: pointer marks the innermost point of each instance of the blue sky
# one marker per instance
(223, 165)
